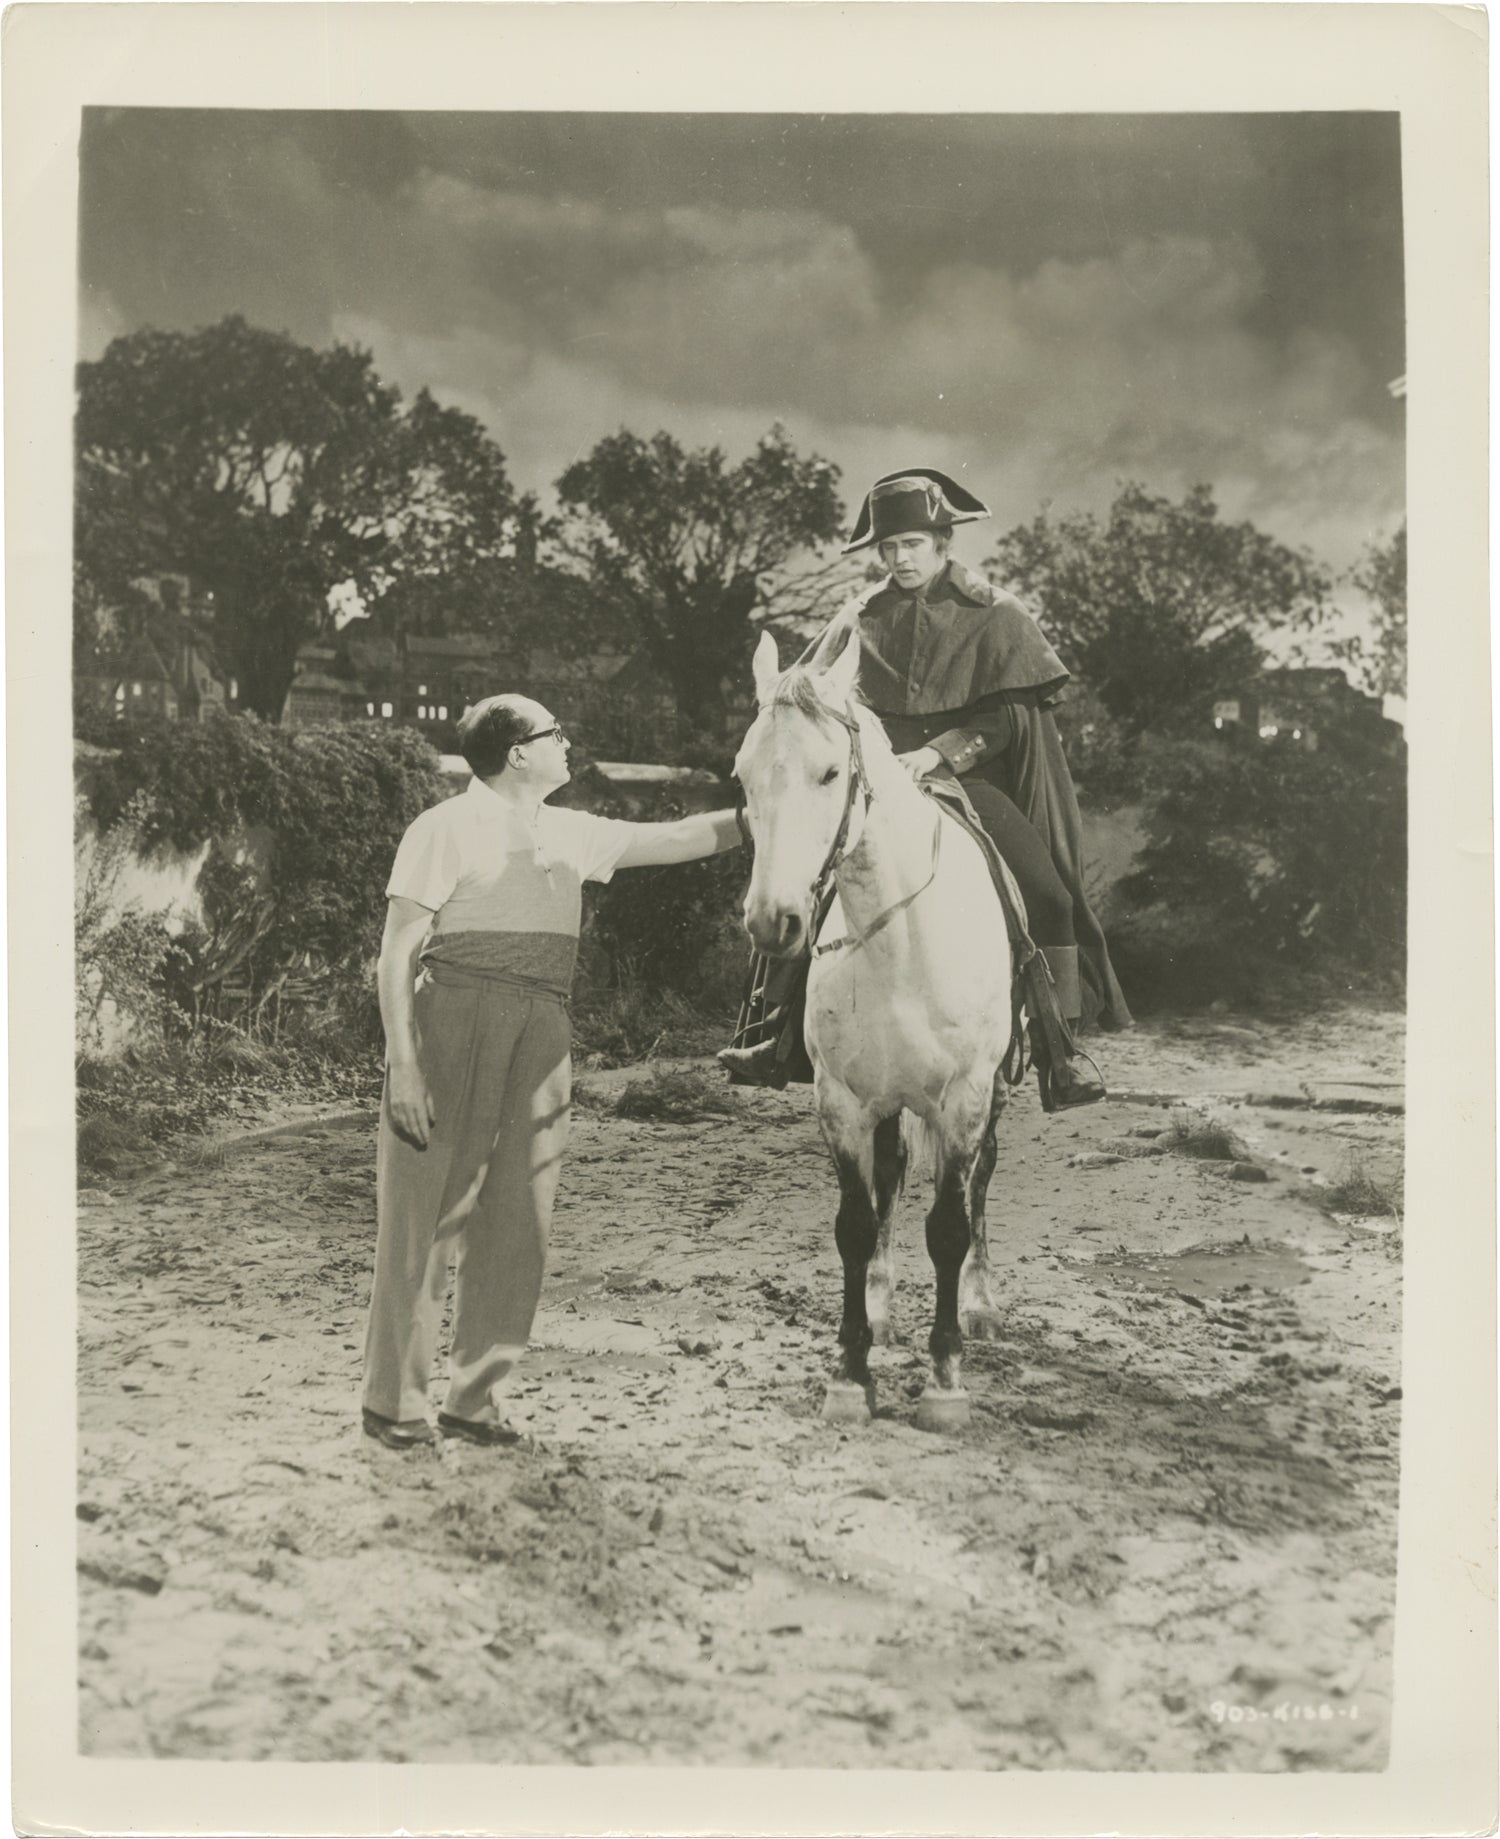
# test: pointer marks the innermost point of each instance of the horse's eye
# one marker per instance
(829, 777)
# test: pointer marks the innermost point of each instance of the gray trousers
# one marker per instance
(497, 1062)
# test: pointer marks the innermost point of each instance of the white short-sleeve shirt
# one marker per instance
(507, 895)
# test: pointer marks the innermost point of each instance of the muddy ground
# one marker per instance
(1165, 1541)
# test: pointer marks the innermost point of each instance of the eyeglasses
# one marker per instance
(541, 734)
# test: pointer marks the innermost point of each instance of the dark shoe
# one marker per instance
(410, 1433)
(1069, 1087)
(754, 1066)
(488, 1436)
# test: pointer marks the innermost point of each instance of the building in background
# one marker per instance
(153, 656)
(616, 702)
(1309, 707)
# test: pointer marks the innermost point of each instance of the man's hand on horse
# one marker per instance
(919, 764)
(412, 1112)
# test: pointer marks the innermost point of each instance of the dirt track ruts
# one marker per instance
(1178, 1489)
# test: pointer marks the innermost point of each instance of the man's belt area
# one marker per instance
(451, 976)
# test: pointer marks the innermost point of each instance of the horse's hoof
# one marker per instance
(982, 1326)
(847, 1402)
(942, 1411)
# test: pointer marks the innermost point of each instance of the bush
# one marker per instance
(669, 930)
(1264, 867)
(334, 803)
(678, 1095)
(295, 936)
(121, 957)
(623, 1027)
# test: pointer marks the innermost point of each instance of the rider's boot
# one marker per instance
(778, 1055)
(1054, 1001)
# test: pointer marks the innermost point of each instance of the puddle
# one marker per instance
(1206, 1270)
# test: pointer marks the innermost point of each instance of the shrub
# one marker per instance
(1189, 1133)
(1263, 866)
(625, 1026)
(333, 803)
(675, 1096)
(121, 956)
(667, 929)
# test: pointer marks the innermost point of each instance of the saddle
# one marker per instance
(1031, 988)
(952, 800)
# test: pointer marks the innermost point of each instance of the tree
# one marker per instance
(1379, 663)
(271, 473)
(686, 548)
(1161, 606)
(1259, 861)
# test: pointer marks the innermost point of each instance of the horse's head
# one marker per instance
(800, 767)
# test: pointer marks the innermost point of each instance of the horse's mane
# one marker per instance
(798, 689)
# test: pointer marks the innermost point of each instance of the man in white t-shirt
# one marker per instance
(481, 936)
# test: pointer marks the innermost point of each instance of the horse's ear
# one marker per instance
(841, 673)
(767, 667)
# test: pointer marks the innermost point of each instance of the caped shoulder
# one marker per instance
(979, 592)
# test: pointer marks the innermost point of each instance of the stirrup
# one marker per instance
(1057, 1096)
(760, 1065)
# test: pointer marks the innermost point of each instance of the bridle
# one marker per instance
(858, 787)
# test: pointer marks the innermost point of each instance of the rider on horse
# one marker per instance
(964, 684)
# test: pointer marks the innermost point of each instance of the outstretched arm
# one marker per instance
(708, 834)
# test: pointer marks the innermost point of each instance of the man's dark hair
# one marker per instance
(488, 731)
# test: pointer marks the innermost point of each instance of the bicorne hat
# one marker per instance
(917, 499)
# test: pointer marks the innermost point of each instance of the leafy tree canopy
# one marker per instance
(1378, 662)
(1161, 605)
(270, 473)
(685, 548)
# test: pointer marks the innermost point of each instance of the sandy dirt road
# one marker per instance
(1165, 1541)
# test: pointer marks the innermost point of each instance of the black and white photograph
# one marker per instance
(742, 820)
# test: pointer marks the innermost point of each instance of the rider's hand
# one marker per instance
(412, 1112)
(919, 764)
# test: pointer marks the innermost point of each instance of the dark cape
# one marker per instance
(963, 647)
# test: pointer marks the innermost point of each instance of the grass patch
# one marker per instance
(106, 1143)
(174, 1096)
(1361, 1193)
(205, 1154)
(1189, 1133)
(675, 1096)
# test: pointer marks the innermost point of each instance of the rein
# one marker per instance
(884, 919)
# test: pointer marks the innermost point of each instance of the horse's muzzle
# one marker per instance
(779, 932)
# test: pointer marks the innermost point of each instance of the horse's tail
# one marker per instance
(920, 1142)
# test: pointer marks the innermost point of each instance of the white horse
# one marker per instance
(908, 1004)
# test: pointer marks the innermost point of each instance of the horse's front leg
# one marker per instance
(963, 1133)
(978, 1312)
(889, 1172)
(850, 1135)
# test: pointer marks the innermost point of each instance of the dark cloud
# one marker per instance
(1050, 303)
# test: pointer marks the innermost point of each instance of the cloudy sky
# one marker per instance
(1043, 305)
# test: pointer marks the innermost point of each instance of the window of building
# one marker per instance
(135, 689)
(421, 689)
(369, 708)
(421, 711)
(443, 713)
(385, 710)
